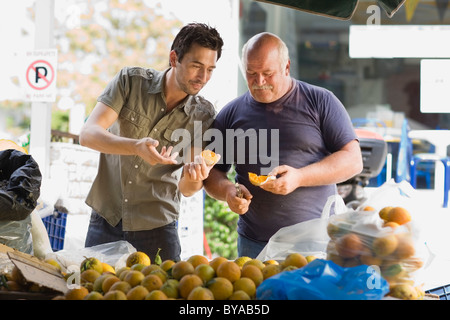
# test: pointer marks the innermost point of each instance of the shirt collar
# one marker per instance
(189, 104)
(157, 85)
(157, 80)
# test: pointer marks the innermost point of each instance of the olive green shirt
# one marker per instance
(126, 187)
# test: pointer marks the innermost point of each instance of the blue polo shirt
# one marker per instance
(304, 126)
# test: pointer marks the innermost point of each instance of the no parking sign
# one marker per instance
(40, 75)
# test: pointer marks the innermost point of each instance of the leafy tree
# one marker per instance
(108, 38)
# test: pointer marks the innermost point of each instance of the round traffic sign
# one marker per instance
(40, 75)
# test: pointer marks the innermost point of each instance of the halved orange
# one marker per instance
(211, 158)
(6, 144)
(259, 180)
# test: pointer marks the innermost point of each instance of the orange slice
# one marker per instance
(259, 180)
(210, 157)
(9, 144)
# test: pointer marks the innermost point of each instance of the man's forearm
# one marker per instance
(216, 184)
(189, 188)
(337, 167)
(97, 138)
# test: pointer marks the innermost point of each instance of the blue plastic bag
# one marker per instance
(324, 280)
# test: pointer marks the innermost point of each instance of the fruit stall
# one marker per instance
(382, 249)
(373, 252)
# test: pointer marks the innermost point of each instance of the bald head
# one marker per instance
(265, 60)
(258, 42)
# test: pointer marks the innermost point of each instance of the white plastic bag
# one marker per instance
(41, 241)
(399, 252)
(391, 193)
(308, 237)
(112, 253)
(17, 234)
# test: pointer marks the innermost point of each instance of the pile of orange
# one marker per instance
(195, 278)
(395, 216)
(389, 247)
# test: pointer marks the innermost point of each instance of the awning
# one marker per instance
(337, 9)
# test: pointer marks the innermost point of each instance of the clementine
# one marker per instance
(188, 283)
(245, 284)
(399, 215)
(259, 180)
(216, 262)
(222, 288)
(229, 270)
(210, 157)
(200, 293)
(138, 257)
(197, 259)
(156, 295)
(384, 246)
(76, 293)
(182, 268)
(137, 293)
(294, 259)
(383, 213)
(349, 245)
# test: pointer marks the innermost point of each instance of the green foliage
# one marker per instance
(16, 118)
(220, 225)
(60, 120)
(220, 228)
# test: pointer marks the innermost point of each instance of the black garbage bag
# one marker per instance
(20, 184)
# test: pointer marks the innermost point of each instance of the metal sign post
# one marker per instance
(41, 111)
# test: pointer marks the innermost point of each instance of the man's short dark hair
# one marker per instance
(200, 34)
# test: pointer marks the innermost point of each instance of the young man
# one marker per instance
(299, 133)
(136, 194)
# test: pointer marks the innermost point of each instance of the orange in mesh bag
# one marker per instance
(363, 237)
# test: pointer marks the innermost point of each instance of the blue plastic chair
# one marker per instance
(430, 157)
